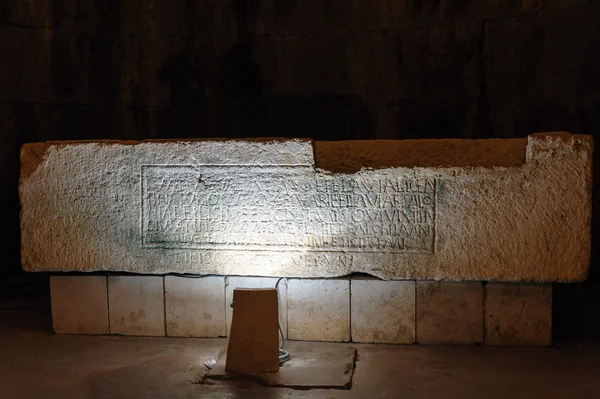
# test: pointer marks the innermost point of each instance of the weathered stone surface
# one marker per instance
(319, 310)
(383, 311)
(449, 313)
(265, 208)
(427, 153)
(195, 307)
(254, 340)
(79, 304)
(518, 314)
(136, 305)
(233, 282)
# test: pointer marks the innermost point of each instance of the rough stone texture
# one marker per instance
(195, 307)
(383, 311)
(518, 314)
(136, 305)
(262, 208)
(449, 313)
(351, 156)
(79, 304)
(254, 340)
(233, 282)
(319, 310)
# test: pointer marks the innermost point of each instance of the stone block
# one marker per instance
(252, 207)
(137, 305)
(383, 311)
(233, 282)
(319, 310)
(195, 307)
(449, 313)
(79, 304)
(518, 314)
(254, 341)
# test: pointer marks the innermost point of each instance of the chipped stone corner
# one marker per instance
(542, 146)
(32, 156)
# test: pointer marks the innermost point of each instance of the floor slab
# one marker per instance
(36, 363)
(311, 365)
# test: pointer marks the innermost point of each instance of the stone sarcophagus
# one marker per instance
(491, 210)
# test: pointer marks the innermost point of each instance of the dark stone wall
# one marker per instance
(326, 69)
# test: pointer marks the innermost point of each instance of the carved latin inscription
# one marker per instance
(285, 208)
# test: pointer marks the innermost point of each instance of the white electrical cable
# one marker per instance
(284, 355)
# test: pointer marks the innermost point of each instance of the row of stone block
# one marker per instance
(357, 309)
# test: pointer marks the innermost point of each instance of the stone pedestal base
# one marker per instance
(337, 310)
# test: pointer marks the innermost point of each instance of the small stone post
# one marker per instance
(253, 341)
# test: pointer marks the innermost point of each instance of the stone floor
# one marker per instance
(34, 363)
